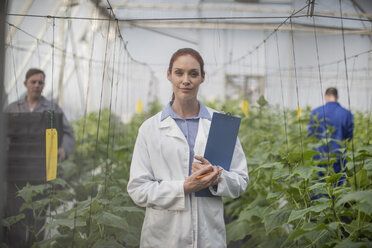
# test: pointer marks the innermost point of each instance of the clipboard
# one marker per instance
(221, 142)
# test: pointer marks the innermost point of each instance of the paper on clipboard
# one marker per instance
(220, 143)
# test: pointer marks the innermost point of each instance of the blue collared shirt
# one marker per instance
(188, 126)
(340, 120)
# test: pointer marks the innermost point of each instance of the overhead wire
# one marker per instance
(51, 45)
(192, 18)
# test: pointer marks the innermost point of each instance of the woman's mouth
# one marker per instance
(185, 89)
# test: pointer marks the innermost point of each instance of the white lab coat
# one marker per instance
(160, 165)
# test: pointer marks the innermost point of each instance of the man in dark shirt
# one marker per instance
(35, 102)
(19, 234)
(333, 123)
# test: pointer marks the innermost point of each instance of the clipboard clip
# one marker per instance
(223, 112)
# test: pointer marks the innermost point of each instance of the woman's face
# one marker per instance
(185, 77)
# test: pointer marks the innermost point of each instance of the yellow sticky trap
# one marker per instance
(245, 107)
(299, 112)
(139, 107)
(51, 148)
(212, 100)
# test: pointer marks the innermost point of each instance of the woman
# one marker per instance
(164, 175)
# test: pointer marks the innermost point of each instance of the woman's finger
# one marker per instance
(202, 159)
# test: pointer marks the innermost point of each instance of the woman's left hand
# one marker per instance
(203, 175)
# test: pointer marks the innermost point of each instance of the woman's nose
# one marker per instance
(186, 80)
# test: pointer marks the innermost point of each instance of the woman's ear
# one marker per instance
(203, 77)
(169, 75)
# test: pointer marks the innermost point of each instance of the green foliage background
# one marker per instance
(91, 208)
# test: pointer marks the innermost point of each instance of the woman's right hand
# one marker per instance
(193, 183)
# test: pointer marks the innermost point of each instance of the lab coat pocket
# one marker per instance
(159, 223)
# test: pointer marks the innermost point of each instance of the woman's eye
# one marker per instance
(194, 74)
(179, 73)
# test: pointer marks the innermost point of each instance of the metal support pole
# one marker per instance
(3, 129)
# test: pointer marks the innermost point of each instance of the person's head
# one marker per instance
(186, 73)
(331, 95)
(34, 83)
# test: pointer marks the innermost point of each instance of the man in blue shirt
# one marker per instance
(333, 123)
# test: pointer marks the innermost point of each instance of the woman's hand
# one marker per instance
(193, 183)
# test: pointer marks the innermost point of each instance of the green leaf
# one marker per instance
(237, 230)
(280, 173)
(320, 207)
(9, 221)
(132, 209)
(368, 164)
(333, 178)
(296, 214)
(276, 219)
(347, 243)
(271, 165)
(318, 237)
(362, 180)
(304, 171)
(294, 235)
(28, 191)
(111, 243)
(358, 196)
(112, 220)
(247, 214)
(352, 227)
(308, 154)
(276, 195)
(363, 207)
(295, 157)
(262, 101)
(333, 226)
(317, 186)
(70, 223)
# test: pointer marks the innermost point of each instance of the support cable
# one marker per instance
(282, 94)
(117, 90)
(108, 167)
(297, 94)
(82, 140)
(321, 89)
(14, 70)
(51, 112)
(348, 92)
(98, 126)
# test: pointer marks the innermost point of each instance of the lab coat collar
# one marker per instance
(173, 129)
(168, 111)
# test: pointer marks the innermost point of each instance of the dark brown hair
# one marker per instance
(32, 72)
(332, 92)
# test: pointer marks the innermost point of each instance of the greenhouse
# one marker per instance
(201, 123)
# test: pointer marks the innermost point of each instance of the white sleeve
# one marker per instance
(234, 182)
(147, 191)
